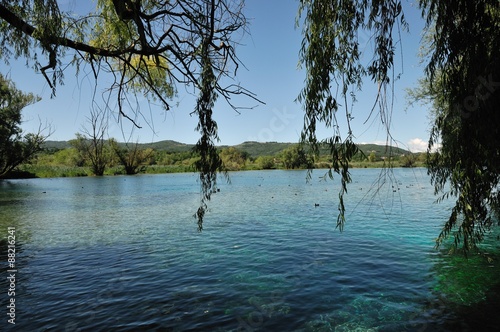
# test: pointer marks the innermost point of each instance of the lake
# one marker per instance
(123, 253)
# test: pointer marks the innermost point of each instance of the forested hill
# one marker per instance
(254, 149)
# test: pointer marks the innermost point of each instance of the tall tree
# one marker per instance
(148, 47)
(14, 147)
(91, 144)
(463, 82)
(131, 156)
(463, 73)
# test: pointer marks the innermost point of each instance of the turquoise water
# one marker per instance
(123, 253)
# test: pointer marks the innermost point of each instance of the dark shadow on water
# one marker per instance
(481, 316)
(16, 174)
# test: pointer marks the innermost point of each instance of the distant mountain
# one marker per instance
(254, 149)
(56, 145)
(382, 150)
(169, 146)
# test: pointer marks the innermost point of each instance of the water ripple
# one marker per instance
(123, 253)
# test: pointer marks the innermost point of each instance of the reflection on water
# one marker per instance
(124, 253)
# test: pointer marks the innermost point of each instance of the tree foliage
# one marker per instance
(14, 147)
(372, 157)
(233, 158)
(296, 157)
(68, 157)
(149, 48)
(92, 144)
(131, 157)
(265, 162)
(461, 87)
(463, 81)
(331, 55)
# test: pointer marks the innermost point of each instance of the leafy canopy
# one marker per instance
(331, 55)
(462, 81)
(14, 147)
(147, 47)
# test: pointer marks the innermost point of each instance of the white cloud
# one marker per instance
(414, 145)
(417, 145)
(375, 142)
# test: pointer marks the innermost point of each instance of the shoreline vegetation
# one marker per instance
(61, 159)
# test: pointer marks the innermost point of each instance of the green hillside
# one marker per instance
(168, 146)
(254, 149)
(382, 150)
(257, 149)
(56, 145)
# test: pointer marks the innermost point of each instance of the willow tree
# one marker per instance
(464, 79)
(335, 72)
(146, 47)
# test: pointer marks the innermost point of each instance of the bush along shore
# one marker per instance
(61, 159)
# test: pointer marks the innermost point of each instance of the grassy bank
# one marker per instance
(51, 171)
(58, 160)
(45, 171)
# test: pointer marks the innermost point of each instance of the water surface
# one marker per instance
(123, 253)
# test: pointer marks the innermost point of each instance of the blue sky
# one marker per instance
(270, 54)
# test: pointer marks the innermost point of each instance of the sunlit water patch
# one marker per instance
(123, 253)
